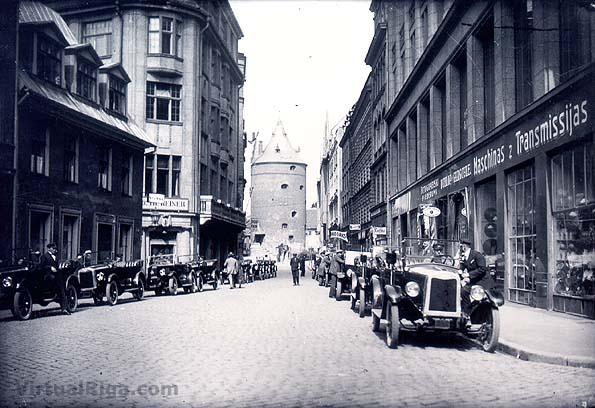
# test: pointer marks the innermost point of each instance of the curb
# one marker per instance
(527, 354)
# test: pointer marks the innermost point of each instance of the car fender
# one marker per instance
(140, 275)
(74, 280)
(362, 282)
(494, 297)
(393, 293)
(112, 277)
(376, 292)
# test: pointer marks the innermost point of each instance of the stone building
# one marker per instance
(78, 163)
(186, 73)
(278, 196)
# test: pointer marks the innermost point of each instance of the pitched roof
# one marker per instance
(279, 149)
(33, 12)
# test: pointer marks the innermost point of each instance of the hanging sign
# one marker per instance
(431, 211)
(339, 235)
(355, 227)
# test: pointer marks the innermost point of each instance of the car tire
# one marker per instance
(139, 293)
(172, 286)
(392, 327)
(490, 342)
(111, 293)
(199, 283)
(362, 303)
(375, 323)
(193, 283)
(22, 307)
(72, 300)
(338, 291)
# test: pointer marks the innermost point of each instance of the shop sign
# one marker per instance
(355, 227)
(431, 211)
(156, 198)
(339, 235)
(560, 123)
(379, 230)
(168, 204)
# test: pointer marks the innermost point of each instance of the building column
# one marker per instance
(504, 61)
(423, 139)
(474, 116)
(411, 150)
(436, 126)
(542, 231)
(453, 108)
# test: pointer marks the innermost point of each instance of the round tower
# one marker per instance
(278, 194)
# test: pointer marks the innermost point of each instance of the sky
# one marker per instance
(304, 59)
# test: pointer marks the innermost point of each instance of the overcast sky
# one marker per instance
(304, 58)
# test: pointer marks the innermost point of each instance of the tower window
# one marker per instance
(284, 226)
(284, 186)
(302, 187)
(293, 213)
(291, 168)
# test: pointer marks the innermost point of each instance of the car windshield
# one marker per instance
(425, 250)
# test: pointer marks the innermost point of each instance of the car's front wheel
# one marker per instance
(490, 331)
(375, 322)
(139, 294)
(392, 326)
(22, 307)
(111, 293)
(72, 300)
(362, 303)
(173, 286)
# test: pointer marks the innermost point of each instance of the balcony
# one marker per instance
(215, 149)
(212, 210)
(165, 65)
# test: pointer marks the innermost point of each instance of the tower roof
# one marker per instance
(279, 149)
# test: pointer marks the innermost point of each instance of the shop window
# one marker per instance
(521, 225)
(70, 235)
(458, 221)
(104, 173)
(523, 47)
(125, 240)
(99, 35)
(40, 228)
(149, 166)
(71, 149)
(105, 242)
(573, 204)
(486, 217)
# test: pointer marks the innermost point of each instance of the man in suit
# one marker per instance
(337, 263)
(294, 263)
(473, 269)
(52, 274)
(231, 267)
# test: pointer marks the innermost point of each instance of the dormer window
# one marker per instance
(49, 60)
(86, 80)
(117, 95)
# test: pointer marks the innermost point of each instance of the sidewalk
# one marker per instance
(546, 336)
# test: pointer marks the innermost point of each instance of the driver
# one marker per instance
(473, 269)
(52, 276)
(439, 256)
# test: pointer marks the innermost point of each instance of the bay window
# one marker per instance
(163, 101)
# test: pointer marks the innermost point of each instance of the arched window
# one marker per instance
(284, 226)
(293, 213)
(292, 168)
(284, 186)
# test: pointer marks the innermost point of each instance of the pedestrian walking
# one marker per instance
(294, 263)
(231, 268)
(303, 265)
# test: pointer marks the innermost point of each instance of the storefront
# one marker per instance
(525, 198)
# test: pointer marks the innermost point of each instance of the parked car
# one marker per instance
(422, 293)
(23, 285)
(346, 275)
(207, 272)
(167, 273)
(361, 283)
(110, 279)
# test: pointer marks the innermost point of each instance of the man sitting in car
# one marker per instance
(473, 269)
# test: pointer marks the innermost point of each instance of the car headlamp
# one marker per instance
(412, 289)
(161, 272)
(100, 276)
(7, 282)
(477, 293)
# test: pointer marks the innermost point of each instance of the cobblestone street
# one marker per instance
(270, 344)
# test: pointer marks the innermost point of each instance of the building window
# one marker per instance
(126, 176)
(117, 95)
(575, 37)
(284, 186)
(149, 166)
(521, 224)
(162, 174)
(460, 64)
(125, 240)
(204, 179)
(99, 35)
(71, 149)
(424, 23)
(163, 101)
(40, 142)
(523, 47)
(573, 205)
(290, 238)
(165, 36)
(104, 174)
(301, 187)
(40, 228)
(292, 168)
(293, 214)
(49, 60)
(69, 245)
(284, 226)
(86, 80)
(105, 242)
(486, 37)
(175, 175)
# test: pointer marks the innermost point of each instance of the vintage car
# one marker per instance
(167, 273)
(206, 272)
(23, 285)
(110, 279)
(343, 283)
(361, 283)
(421, 292)
(247, 275)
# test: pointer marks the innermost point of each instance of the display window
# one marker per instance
(573, 205)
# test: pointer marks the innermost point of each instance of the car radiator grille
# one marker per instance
(86, 279)
(443, 295)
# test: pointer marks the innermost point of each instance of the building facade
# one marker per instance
(356, 146)
(278, 195)
(491, 124)
(79, 162)
(185, 74)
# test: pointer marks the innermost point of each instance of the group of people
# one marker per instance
(282, 252)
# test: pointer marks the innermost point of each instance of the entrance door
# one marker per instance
(521, 228)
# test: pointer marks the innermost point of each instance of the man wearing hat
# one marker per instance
(438, 250)
(52, 274)
(231, 267)
(473, 269)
